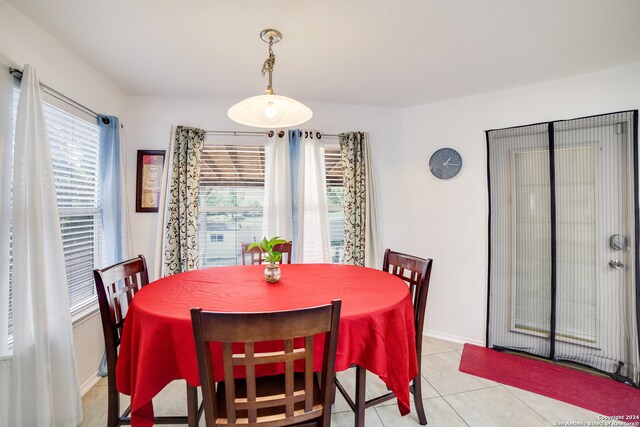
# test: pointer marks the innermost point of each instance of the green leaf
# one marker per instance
(266, 246)
(276, 241)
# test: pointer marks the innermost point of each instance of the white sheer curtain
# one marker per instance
(43, 362)
(295, 202)
(6, 96)
(277, 189)
(373, 250)
(310, 189)
(158, 265)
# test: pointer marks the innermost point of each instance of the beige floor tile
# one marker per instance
(438, 411)
(432, 345)
(102, 382)
(494, 406)
(347, 419)
(94, 407)
(441, 370)
(377, 387)
(468, 400)
(172, 400)
(553, 410)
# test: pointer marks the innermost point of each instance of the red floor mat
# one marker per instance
(599, 394)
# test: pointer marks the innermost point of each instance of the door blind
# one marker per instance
(563, 237)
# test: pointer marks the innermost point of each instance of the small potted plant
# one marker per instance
(271, 270)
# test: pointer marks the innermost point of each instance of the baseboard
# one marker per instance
(88, 384)
(452, 338)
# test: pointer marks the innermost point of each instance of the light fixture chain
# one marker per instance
(267, 67)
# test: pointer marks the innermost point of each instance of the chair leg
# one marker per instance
(113, 405)
(416, 388)
(361, 386)
(192, 406)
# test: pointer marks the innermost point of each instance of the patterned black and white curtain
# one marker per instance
(361, 235)
(180, 237)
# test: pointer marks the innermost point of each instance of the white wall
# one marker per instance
(149, 127)
(22, 42)
(447, 220)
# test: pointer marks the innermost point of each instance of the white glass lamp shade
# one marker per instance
(269, 111)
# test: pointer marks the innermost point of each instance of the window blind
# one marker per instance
(74, 145)
(335, 201)
(76, 163)
(232, 198)
(231, 201)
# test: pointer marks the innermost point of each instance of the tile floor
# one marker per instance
(451, 399)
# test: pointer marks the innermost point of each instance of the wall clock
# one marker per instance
(445, 163)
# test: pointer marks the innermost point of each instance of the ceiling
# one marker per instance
(393, 53)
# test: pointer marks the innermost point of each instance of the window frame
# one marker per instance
(86, 307)
(257, 140)
(331, 149)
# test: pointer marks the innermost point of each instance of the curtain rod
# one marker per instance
(18, 74)
(257, 133)
(60, 96)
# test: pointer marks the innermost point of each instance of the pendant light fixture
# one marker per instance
(269, 110)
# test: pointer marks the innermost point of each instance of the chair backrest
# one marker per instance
(256, 257)
(116, 285)
(280, 326)
(417, 273)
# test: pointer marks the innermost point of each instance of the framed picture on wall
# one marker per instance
(149, 180)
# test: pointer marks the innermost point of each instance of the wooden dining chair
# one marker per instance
(291, 398)
(416, 272)
(256, 257)
(116, 286)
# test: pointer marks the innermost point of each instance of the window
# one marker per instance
(216, 238)
(74, 144)
(231, 201)
(76, 164)
(335, 201)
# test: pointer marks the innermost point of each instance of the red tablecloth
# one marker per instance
(376, 323)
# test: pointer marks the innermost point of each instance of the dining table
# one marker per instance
(376, 331)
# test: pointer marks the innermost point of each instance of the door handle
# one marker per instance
(616, 264)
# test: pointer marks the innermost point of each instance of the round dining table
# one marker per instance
(376, 329)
